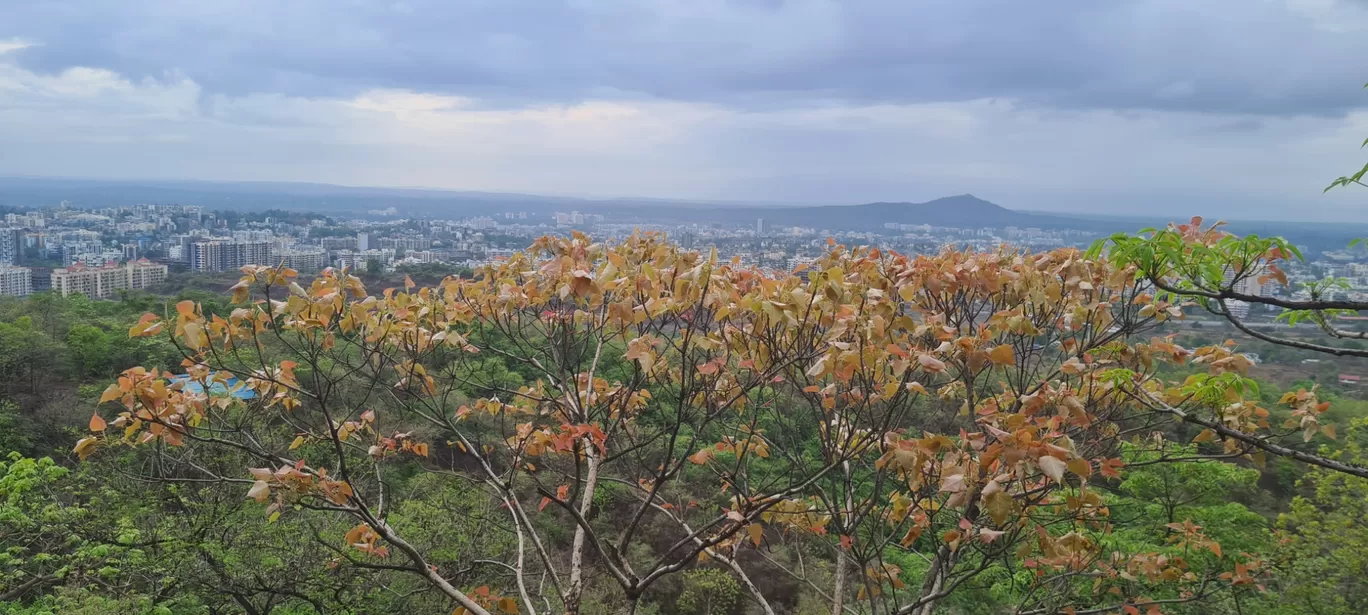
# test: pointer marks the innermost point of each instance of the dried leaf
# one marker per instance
(259, 491)
(1052, 467)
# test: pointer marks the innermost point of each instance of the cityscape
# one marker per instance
(101, 252)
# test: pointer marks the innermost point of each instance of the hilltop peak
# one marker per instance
(965, 199)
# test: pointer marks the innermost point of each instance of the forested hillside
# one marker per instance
(636, 428)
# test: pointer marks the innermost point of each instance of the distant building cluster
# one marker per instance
(106, 281)
(102, 252)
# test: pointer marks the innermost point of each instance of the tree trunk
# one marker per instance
(838, 585)
(576, 589)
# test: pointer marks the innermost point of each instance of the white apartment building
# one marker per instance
(15, 281)
(105, 282)
(304, 259)
(219, 255)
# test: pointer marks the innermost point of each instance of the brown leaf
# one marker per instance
(1081, 467)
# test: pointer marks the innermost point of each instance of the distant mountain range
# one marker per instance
(963, 211)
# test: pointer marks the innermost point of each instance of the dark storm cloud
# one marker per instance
(1222, 56)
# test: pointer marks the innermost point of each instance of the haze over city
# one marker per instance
(1226, 108)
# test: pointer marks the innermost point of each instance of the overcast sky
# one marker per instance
(1235, 108)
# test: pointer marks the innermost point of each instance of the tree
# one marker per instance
(1174, 488)
(59, 533)
(921, 421)
(1324, 542)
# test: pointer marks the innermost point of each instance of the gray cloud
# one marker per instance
(1239, 108)
(1230, 56)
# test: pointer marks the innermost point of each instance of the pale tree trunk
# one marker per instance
(838, 585)
(576, 589)
(838, 589)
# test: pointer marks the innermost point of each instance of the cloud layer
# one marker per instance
(1225, 107)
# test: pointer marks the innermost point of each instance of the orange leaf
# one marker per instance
(1002, 355)
(84, 447)
(757, 533)
(97, 423)
(1207, 435)
(112, 393)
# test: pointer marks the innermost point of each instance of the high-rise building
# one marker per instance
(363, 241)
(223, 255)
(1251, 284)
(401, 243)
(760, 226)
(105, 282)
(15, 281)
(11, 245)
(340, 243)
(307, 259)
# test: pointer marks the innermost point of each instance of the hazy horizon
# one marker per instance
(608, 200)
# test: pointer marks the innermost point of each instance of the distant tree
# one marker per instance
(90, 349)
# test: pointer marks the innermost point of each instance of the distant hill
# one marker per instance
(963, 211)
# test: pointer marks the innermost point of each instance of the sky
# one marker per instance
(1231, 108)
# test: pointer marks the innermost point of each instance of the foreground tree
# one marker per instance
(633, 411)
